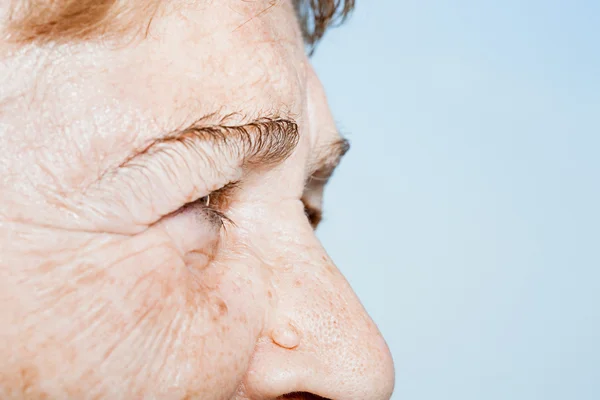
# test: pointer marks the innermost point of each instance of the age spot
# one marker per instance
(223, 310)
(220, 309)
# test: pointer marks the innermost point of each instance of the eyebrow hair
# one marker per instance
(263, 142)
(321, 169)
(327, 159)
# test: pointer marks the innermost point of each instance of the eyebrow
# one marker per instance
(263, 142)
(321, 169)
(327, 159)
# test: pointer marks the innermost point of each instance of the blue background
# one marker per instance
(466, 216)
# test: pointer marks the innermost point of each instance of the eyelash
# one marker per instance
(213, 204)
(215, 216)
(313, 215)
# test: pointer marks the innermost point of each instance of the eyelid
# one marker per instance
(314, 214)
(145, 191)
(215, 209)
(193, 161)
(222, 197)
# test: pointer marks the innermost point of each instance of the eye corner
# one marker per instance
(313, 214)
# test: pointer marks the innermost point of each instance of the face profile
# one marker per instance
(163, 166)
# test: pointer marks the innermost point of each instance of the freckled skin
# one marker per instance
(95, 304)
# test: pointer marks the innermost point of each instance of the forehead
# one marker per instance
(195, 58)
(231, 54)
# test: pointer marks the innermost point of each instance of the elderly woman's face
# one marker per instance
(157, 198)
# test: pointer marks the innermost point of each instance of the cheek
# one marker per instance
(225, 307)
(132, 317)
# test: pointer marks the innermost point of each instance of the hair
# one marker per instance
(318, 15)
(59, 20)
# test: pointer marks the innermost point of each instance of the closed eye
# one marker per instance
(215, 205)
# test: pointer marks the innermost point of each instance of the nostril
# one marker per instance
(301, 396)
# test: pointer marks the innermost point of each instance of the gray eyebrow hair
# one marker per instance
(263, 142)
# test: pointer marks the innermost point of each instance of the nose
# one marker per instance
(319, 342)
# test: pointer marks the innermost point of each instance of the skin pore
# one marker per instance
(153, 217)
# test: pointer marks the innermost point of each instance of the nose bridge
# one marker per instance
(320, 339)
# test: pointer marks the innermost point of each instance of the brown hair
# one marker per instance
(318, 15)
(48, 20)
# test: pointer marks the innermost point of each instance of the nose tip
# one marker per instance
(323, 345)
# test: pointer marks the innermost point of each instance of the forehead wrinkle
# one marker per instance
(263, 10)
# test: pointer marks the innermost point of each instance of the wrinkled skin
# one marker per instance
(106, 292)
